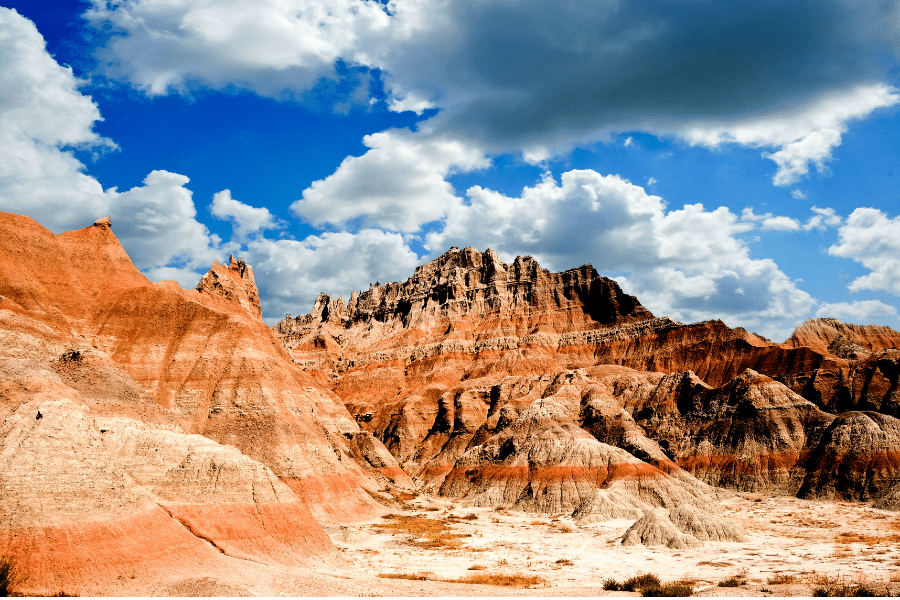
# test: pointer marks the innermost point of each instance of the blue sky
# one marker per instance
(731, 160)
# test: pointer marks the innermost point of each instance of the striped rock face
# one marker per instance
(167, 426)
(441, 367)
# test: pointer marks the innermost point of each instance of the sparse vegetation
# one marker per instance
(783, 578)
(649, 585)
(10, 579)
(424, 576)
(610, 585)
(565, 562)
(639, 582)
(733, 581)
(427, 533)
(675, 589)
(470, 517)
(477, 568)
(839, 588)
(501, 579)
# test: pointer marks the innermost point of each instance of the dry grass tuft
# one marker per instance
(470, 517)
(855, 538)
(477, 568)
(428, 534)
(783, 578)
(500, 579)
(565, 562)
(10, 579)
(422, 576)
(650, 586)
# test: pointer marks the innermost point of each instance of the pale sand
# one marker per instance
(785, 536)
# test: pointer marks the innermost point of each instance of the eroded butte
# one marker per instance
(482, 423)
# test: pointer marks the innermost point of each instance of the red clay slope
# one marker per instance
(103, 376)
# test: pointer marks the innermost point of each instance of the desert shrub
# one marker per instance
(565, 562)
(611, 585)
(733, 581)
(843, 590)
(783, 578)
(470, 517)
(477, 568)
(639, 582)
(9, 578)
(669, 590)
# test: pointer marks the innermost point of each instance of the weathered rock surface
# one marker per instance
(858, 459)
(441, 366)
(99, 368)
(682, 527)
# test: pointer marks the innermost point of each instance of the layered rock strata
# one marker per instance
(441, 366)
(108, 383)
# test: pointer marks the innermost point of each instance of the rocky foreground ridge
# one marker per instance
(152, 430)
(506, 384)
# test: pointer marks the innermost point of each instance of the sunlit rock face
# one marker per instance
(442, 368)
(155, 428)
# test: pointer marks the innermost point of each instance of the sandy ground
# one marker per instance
(795, 541)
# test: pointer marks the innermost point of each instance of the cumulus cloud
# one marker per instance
(268, 46)
(770, 222)
(822, 219)
(688, 263)
(871, 238)
(43, 117)
(806, 134)
(245, 219)
(292, 273)
(510, 77)
(157, 224)
(398, 184)
(857, 311)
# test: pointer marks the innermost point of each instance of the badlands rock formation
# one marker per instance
(506, 384)
(154, 428)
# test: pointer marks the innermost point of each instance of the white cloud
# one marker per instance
(42, 117)
(798, 194)
(292, 273)
(859, 310)
(398, 184)
(245, 219)
(823, 219)
(686, 263)
(770, 222)
(157, 224)
(267, 45)
(871, 238)
(805, 134)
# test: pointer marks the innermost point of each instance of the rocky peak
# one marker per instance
(103, 223)
(468, 283)
(234, 283)
(823, 333)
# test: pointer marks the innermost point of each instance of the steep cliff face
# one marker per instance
(441, 366)
(108, 382)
